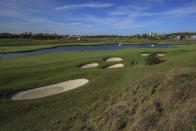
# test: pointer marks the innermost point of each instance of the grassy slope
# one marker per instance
(18, 45)
(148, 97)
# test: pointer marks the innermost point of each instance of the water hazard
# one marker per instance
(108, 47)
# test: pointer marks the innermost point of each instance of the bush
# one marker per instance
(152, 59)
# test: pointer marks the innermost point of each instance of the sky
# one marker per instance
(92, 17)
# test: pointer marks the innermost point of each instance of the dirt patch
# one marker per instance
(114, 59)
(115, 66)
(49, 90)
(91, 65)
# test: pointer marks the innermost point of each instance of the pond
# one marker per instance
(108, 47)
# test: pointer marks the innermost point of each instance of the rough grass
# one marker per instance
(151, 104)
(135, 97)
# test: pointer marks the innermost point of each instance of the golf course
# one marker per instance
(135, 96)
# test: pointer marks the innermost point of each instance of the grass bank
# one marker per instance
(157, 97)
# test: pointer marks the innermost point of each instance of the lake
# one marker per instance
(108, 47)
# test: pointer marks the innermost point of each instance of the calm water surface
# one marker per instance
(108, 47)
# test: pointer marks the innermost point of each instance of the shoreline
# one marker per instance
(31, 50)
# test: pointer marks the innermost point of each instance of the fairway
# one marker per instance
(130, 97)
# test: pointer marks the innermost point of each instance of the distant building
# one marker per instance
(188, 37)
(74, 37)
(193, 37)
(180, 37)
(78, 38)
(151, 34)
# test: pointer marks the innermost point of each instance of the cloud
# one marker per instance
(20, 8)
(22, 15)
(114, 23)
(9, 13)
(155, 1)
(183, 11)
(139, 11)
(85, 5)
(133, 11)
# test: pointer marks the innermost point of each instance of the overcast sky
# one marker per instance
(125, 17)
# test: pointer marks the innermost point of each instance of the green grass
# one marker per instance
(114, 99)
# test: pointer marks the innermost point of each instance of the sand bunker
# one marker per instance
(90, 65)
(49, 90)
(156, 54)
(115, 66)
(113, 59)
(144, 54)
(161, 54)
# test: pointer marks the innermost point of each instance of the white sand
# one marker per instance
(90, 65)
(113, 59)
(161, 54)
(156, 54)
(115, 66)
(144, 54)
(49, 90)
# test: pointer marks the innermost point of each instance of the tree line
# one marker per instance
(163, 36)
(183, 34)
(54, 36)
(27, 35)
(34, 36)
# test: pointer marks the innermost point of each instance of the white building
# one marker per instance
(193, 37)
(178, 37)
(152, 34)
(74, 37)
